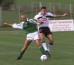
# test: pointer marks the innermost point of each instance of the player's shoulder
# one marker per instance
(21, 22)
(48, 13)
(38, 15)
(31, 20)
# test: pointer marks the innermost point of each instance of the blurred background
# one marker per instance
(10, 10)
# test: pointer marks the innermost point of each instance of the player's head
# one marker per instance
(43, 10)
(23, 17)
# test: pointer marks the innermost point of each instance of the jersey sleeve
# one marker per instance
(32, 21)
(18, 26)
(50, 14)
(36, 17)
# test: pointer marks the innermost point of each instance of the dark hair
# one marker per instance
(43, 7)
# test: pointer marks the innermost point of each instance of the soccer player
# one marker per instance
(28, 25)
(43, 25)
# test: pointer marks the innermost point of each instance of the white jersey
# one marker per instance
(45, 19)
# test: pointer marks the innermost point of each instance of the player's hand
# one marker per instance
(64, 14)
(40, 21)
(5, 23)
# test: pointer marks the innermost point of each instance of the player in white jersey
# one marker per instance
(43, 26)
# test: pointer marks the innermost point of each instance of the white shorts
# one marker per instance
(33, 36)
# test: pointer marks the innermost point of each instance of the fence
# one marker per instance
(12, 14)
(0, 16)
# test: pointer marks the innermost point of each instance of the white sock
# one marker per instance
(50, 47)
(44, 46)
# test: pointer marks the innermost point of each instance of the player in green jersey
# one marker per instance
(28, 25)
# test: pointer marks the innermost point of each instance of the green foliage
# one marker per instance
(57, 1)
(1, 1)
(10, 16)
(6, 3)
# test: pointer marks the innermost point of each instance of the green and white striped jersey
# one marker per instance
(29, 26)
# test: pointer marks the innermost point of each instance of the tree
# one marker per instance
(6, 3)
(1, 2)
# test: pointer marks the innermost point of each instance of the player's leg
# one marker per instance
(42, 33)
(49, 35)
(42, 38)
(37, 41)
(51, 39)
(26, 44)
(36, 38)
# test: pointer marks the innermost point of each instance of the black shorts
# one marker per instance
(45, 30)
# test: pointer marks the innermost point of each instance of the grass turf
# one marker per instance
(11, 43)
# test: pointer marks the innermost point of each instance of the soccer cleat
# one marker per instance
(19, 57)
(47, 53)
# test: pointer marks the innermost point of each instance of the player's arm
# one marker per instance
(18, 26)
(33, 21)
(14, 25)
(55, 15)
(38, 20)
(7, 24)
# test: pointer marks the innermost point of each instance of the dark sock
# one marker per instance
(50, 43)
(43, 41)
(20, 56)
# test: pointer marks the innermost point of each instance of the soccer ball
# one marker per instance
(43, 58)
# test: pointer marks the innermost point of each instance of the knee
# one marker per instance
(51, 42)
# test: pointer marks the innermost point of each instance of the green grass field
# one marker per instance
(11, 43)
